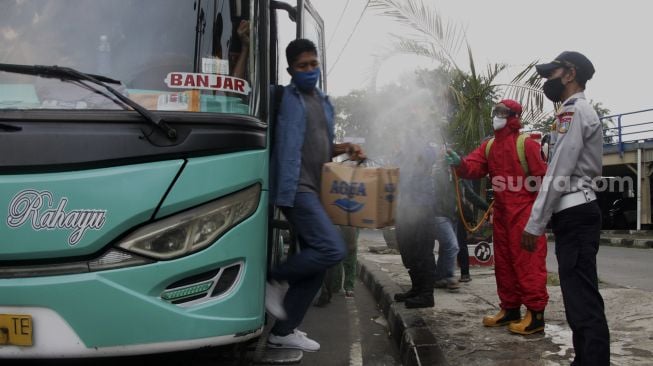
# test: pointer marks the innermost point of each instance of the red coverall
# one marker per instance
(520, 275)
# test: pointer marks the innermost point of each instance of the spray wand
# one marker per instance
(486, 215)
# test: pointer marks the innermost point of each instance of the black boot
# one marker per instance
(402, 296)
(422, 300)
(424, 297)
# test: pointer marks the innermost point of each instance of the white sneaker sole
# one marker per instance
(280, 346)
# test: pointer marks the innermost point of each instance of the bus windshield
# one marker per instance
(169, 55)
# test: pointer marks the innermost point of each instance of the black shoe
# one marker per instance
(465, 278)
(423, 300)
(402, 296)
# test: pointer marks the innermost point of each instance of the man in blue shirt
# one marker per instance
(302, 144)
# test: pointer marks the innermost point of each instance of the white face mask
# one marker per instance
(499, 123)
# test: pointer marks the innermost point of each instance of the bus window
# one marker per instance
(167, 57)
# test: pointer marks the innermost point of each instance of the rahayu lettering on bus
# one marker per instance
(37, 208)
(348, 204)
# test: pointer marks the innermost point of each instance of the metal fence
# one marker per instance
(628, 130)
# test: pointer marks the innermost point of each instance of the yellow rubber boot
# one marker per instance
(503, 317)
(532, 322)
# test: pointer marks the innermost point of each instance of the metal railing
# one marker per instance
(628, 130)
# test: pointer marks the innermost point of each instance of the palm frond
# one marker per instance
(526, 88)
(403, 45)
(530, 97)
(448, 37)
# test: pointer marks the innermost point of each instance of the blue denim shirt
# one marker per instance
(289, 133)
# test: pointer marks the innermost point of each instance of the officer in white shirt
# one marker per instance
(567, 197)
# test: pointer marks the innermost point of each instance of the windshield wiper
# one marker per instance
(67, 73)
(9, 128)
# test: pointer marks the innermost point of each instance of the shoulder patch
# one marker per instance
(564, 121)
(571, 101)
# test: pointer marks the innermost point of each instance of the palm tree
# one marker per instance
(609, 133)
(473, 96)
(473, 93)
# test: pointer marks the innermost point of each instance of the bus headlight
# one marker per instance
(194, 229)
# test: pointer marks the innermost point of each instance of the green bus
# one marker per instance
(134, 154)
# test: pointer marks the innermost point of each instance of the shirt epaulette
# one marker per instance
(571, 101)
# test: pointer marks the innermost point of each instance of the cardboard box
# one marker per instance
(360, 196)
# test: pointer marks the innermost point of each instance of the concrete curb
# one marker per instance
(627, 243)
(417, 345)
(641, 241)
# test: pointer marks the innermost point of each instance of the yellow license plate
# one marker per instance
(16, 329)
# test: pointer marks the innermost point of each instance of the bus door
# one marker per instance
(311, 26)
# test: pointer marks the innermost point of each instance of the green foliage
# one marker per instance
(609, 134)
(473, 94)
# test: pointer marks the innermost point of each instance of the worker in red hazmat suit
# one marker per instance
(515, 166)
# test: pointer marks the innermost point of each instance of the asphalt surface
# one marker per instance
(456, 330)
(351, 332)
(623, 267)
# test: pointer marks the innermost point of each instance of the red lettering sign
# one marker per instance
(239, 85)
(228, 84)
(188, 80)
(175, 79)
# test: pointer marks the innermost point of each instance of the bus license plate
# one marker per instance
(16, 329)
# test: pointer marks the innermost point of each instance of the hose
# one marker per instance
(486, 215)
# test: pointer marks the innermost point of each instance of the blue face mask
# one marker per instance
(307, 80)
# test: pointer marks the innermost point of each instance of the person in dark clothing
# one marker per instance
(463, 252)
(414, 225)
(469, 197)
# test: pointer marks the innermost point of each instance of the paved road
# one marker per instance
(625, 267)
(350, 332)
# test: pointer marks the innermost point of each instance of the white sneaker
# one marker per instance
(296, 339)
(274, 294)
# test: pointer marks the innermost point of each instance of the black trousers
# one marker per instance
(463, 251)
(577, 231)
(415, 230)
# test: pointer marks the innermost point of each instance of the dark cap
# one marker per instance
(583, 66)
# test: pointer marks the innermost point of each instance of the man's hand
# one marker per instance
(452, 158)
(356, 152)
(528, 241)
(243, 32)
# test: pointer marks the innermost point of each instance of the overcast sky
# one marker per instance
(614, 35)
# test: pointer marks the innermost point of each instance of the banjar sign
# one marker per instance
(37, 208)
(187, 80)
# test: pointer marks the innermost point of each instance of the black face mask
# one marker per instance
(553, 89)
